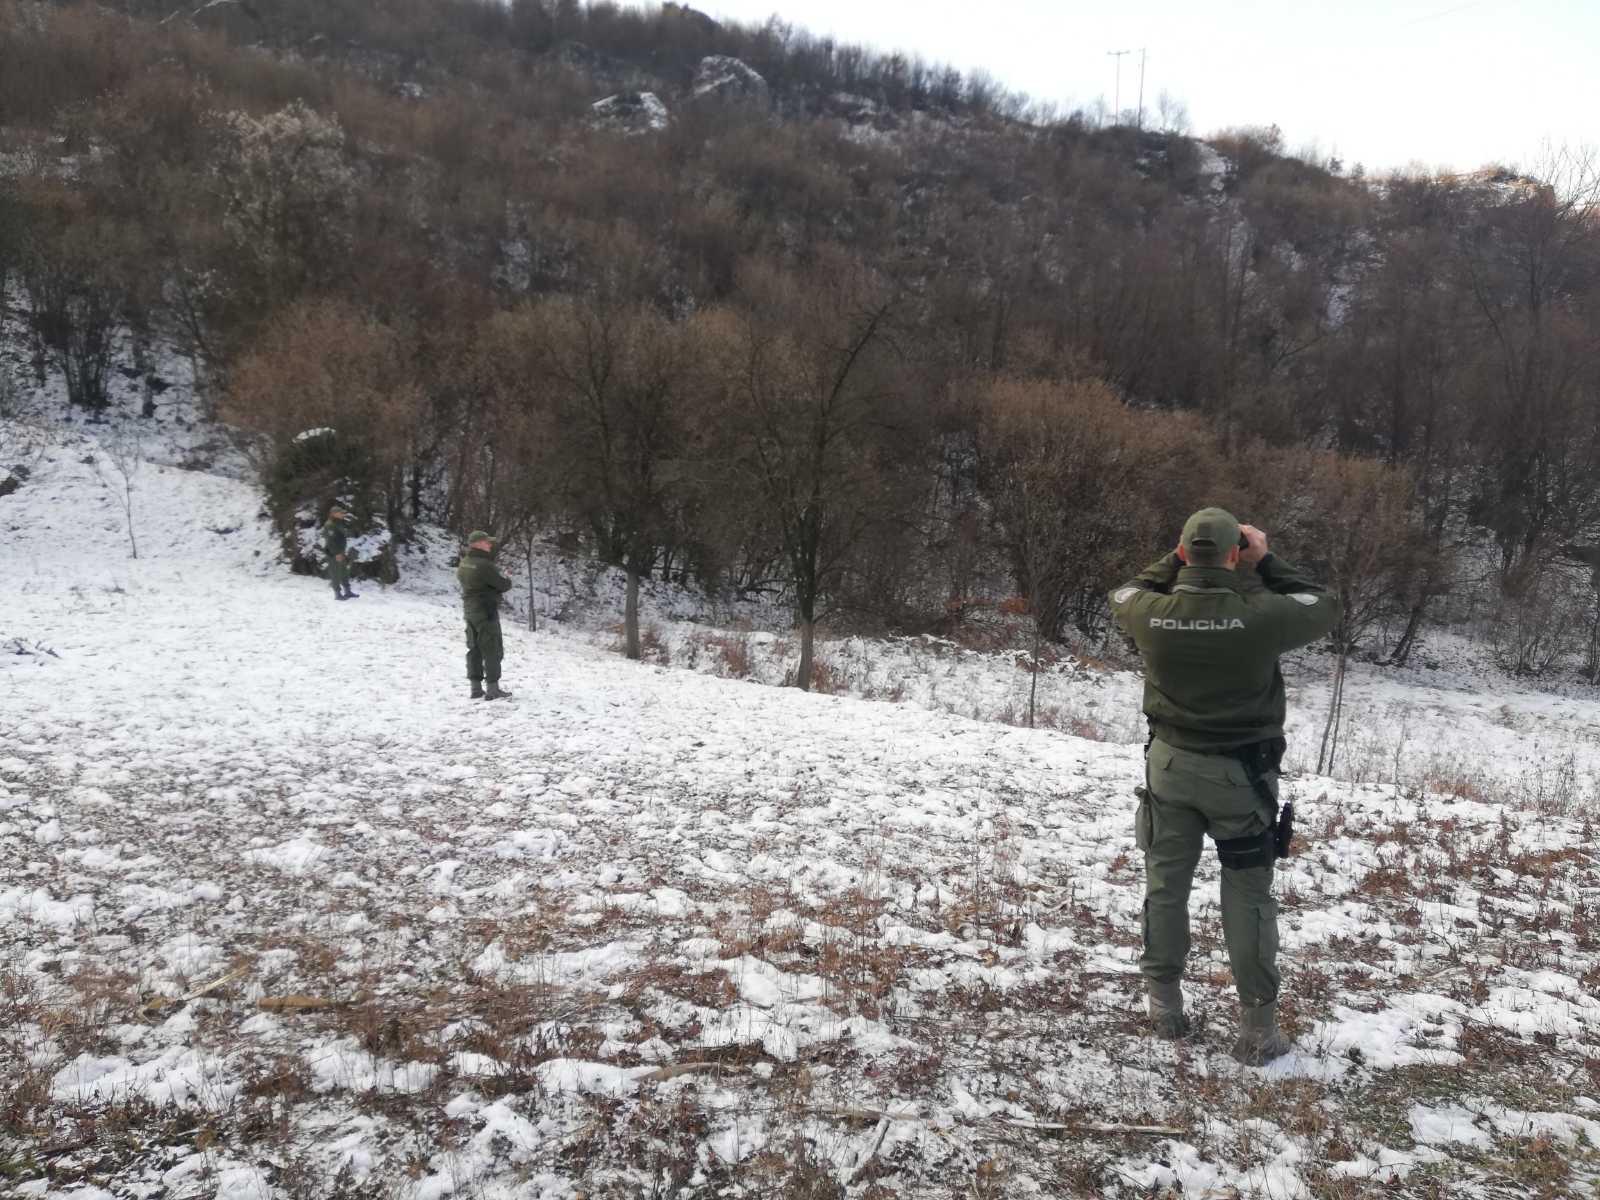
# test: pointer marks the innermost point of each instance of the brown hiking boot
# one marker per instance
(493, 692)
(1260, 1041)
(477, 689)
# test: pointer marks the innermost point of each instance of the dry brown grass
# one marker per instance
(1052, 716)
(25, 1083)
(826, 677)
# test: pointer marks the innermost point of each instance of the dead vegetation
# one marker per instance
(950, 1026)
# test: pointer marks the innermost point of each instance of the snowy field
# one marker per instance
(286, 915)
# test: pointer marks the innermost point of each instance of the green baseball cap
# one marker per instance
(1209, 535)
(478, 535)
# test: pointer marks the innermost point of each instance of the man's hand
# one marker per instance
(338, 558)
(1252, 554)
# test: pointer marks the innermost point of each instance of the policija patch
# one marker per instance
(1201, 624)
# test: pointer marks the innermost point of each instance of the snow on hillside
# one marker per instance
(287, 915)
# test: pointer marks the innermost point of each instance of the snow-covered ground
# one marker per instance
(286, 914)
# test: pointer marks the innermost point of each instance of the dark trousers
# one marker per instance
(484, 650)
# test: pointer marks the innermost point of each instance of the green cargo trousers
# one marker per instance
(1192, 795)
(338, 575)
(484, 650)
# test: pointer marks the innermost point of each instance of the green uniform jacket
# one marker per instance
(1210, 639)
(482, 585)
(334, 540)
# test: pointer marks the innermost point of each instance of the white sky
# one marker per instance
(1451, 83)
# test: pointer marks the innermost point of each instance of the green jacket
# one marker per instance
(482, 585)
(1210, 639)
(334, 539)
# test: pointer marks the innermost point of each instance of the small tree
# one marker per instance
(124, 451)
(808, 422)
(76, 267)
(1078, 483)
(288, 186)
(1353, 523)
(620, 383)
(510, 475)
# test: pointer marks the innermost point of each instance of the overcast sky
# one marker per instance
(1388, 83)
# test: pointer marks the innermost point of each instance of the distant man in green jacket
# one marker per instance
(1210, 621)
(335, 544)
(482, 585)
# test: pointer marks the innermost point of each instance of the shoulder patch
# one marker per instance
(1122, 595)
(1305, 598)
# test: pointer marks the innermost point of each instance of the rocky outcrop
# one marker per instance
(631, 113)
(860, 111)
(722, 78)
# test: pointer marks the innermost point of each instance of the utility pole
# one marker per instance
(1116, 104)
(1141, 90)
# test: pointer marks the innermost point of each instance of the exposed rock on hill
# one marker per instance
(725, 78)
(859, 111)
(631, 113)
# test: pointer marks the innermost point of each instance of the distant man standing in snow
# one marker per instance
(336, 545)
(482, 585)
(1210, 621)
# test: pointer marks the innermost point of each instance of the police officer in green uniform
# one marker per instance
(1210, 621)
(336, 545)
(482, 585)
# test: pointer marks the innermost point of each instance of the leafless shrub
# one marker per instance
(124, 450)
(1538, 622)
(734, 650)
(825, 677)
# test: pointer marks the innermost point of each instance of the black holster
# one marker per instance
(1257, 759)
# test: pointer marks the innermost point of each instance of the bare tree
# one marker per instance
(76, 270)
(1076, 480)
(1530, 259)
(123, 449)
(814, 381)
(619, 380)
(1173, 113)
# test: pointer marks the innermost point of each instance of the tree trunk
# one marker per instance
(141, 363)
(1033, 685)
(630, 617)
(808, 632)
(1330, 730)
(533, 619)
(1594, 643)
(1408, 639)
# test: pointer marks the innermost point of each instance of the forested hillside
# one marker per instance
(756, 310)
